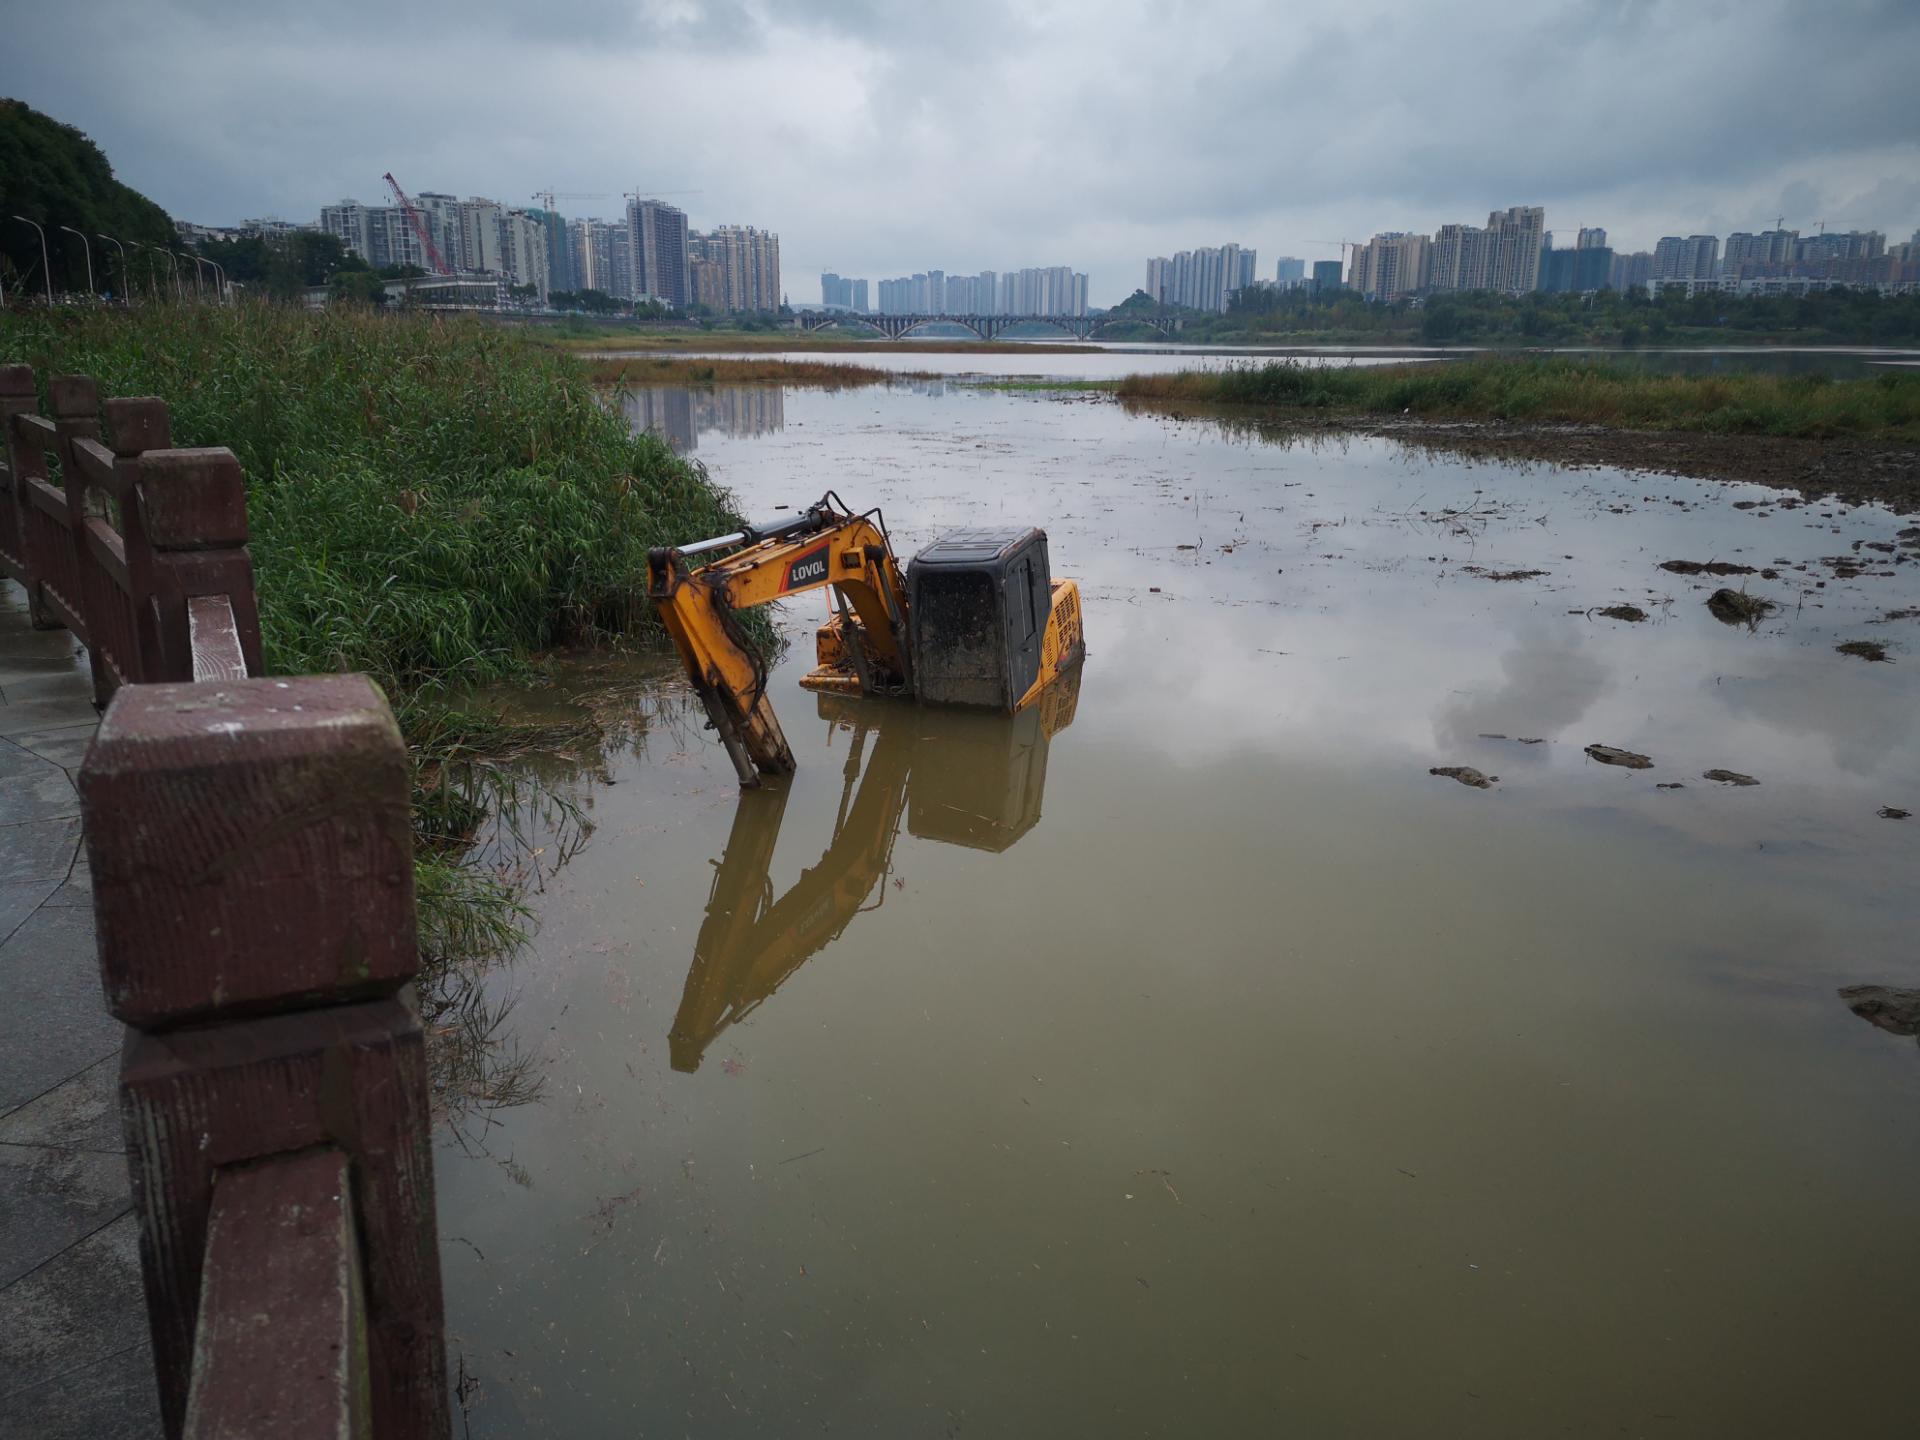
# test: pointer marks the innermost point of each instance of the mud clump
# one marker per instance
(1865, 650)
(1466, 775)
(1728, 777)
(1737, 607)
(1623, 612)
(1893, 812)
(1613, 755)
(1671, 785)
(1884, 1006)
(1486, 574)
(1709, 567)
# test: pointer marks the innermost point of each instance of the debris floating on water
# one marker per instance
(1865, 650)
(1729, 777)
(1613, 755)
(1465, 774)
(1622, 612)
(1710, 567)
(1885, 1006)
(1737, 607)
(1893, 812)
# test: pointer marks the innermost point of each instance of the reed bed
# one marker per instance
(1560, 392)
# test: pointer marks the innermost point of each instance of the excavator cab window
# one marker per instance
(979, 601)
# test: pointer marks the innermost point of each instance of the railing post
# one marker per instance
(193, 513)
(17, 397)
(136, 426)
(75, 402)
(253, 892)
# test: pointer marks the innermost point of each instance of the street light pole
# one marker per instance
(89, 249)
(45, 264)
(126, 275)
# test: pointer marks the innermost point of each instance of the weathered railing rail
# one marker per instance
(119, 541)
(251, 853)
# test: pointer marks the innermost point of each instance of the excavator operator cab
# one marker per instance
(979, 602)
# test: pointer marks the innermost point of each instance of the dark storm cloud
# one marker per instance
(882, 137)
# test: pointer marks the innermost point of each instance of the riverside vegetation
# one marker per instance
(1569, 392)
(1857, 439)
(434, 503)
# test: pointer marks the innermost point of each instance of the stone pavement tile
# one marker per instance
(36, 715)
(18, 760)
(38, 850)
(74, 1356)
(82, 1113)
(51, 1197)
(44, 795)
(64, 745)
(54, 1022)
(18, 642)
(20, 899)
(68, 684)
(79, 887)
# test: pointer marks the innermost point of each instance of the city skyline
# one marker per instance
(871, 139)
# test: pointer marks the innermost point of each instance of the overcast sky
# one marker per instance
(881, 138)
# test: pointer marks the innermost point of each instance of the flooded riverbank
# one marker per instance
(1197, 1061)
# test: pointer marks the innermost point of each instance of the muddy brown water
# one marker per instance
(1188, 1059)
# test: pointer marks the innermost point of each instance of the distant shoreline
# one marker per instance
(620, 341)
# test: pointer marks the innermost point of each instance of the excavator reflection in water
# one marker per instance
(961, 777)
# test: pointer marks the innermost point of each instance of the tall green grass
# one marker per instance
(431, 502)
(1561, 391)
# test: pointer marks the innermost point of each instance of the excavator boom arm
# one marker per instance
(822, 546)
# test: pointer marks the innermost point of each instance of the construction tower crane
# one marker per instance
(427, 248)
(547, 197)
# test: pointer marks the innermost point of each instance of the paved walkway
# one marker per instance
(74, 1358)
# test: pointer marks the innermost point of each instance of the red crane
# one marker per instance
(419, 224)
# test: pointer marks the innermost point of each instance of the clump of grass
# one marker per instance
(432, 502)
(1560, 391)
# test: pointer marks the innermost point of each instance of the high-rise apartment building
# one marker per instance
(441, 215)
(860, 296)
(480, 247)
(523, 250)
(1697, 257)
(598, 250)
(836, 292)
(1517, 236)
(1503, 256)
(1326, 276)
(1204, 279)
(381, 235)
(1052, 290)
(1631, 271)
(1592, 237)
(1391, 265)
(1291, 270)
(1842, 245)
(750, 264)
(657, 252)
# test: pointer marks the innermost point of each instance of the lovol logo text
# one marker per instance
(809, 569)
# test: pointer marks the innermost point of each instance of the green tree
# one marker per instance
(55, 176)
(358, 286)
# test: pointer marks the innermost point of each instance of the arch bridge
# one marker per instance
(985, 327)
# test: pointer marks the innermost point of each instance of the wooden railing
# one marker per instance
(251, 853)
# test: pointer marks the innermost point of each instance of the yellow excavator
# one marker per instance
(956, 777)
(977, 620)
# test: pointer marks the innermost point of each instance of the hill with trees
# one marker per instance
(54, 175)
